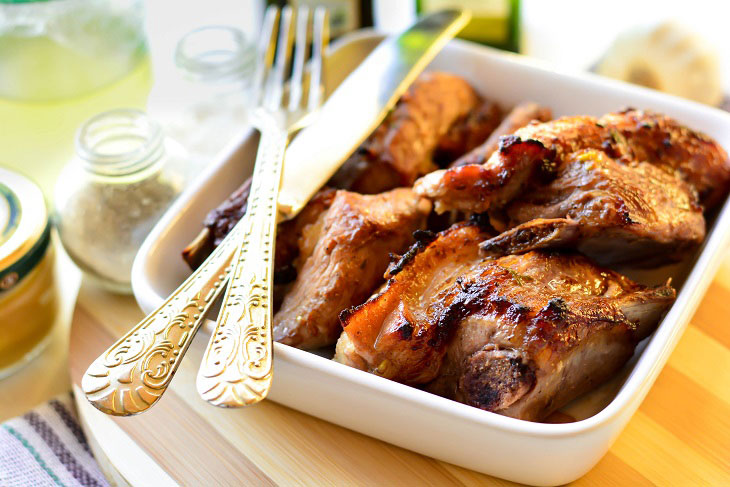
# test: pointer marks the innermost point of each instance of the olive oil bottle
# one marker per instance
(494, 22)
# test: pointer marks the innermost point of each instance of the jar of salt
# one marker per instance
(124, 175)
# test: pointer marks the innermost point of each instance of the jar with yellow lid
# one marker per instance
(28, 294)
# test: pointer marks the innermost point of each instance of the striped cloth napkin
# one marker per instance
(46, 447)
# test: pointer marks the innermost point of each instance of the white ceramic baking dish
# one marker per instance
(535, 453)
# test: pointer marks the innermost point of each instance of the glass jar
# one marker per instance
(216, 54)
(203, 102)
(126, 173)
(28, 291)
(55, 49)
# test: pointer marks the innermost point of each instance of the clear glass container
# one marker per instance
(217, 54)
(124, 176)
(57, 49)
(203, 103)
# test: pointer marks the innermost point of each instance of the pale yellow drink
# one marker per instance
(36, 138)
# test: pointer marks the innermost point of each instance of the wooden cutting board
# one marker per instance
(679, 436)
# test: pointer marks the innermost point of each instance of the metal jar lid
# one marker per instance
(24, 227)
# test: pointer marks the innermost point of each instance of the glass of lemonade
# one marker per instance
(57, 49)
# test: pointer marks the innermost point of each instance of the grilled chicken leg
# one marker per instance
(521, 335)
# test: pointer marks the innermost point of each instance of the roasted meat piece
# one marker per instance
(519, 117)
(612, 212)
(645, 136)
(440, 115)
(467, 133)
(520, 335)
(292, 248)
(345, 253)
(385, 335)
(536, 152)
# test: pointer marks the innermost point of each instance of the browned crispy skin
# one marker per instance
(349, 249)
(521, 335)
(433, 114)
(536, 152)
(612, 212)
(661, 140)
(468, 133)
(520, 116)
(408, 348)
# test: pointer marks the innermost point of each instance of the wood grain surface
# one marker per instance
(679, 436)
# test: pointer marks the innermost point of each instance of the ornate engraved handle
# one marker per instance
(134, 372)
(237, 366)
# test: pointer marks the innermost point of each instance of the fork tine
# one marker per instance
(275, 88)
(300, 52)
(321, 39)
(264, 52)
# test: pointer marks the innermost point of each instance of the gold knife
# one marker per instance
(134, 372)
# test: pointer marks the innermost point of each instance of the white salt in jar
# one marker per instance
(124, 176)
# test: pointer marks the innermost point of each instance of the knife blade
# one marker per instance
(360, 104)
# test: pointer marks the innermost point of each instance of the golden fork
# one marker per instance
(237, 365)
(131, 376)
